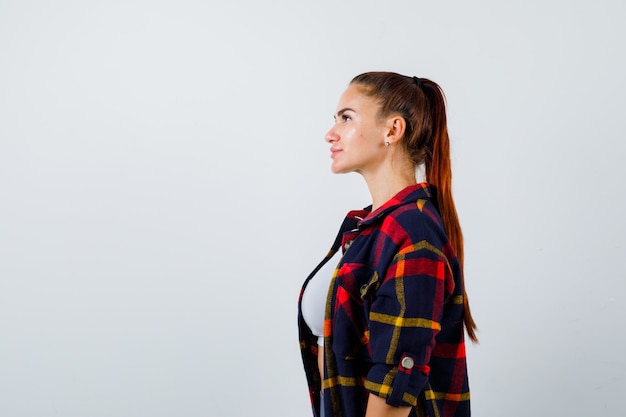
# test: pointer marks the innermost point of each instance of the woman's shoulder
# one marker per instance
(421, 210)
(411, 222)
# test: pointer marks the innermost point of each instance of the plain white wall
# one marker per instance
(165, 188)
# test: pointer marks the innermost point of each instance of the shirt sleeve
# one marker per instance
(404, 318)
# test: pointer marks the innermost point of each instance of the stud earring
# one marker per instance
(386, 144)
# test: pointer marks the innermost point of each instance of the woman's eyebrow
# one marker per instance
(342, 111)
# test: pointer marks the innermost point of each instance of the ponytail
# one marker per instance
(439, 175)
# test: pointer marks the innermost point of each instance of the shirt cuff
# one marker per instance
(399, 385)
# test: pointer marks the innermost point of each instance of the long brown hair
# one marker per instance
(422, 104)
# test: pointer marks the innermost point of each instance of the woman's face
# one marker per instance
(357, 138)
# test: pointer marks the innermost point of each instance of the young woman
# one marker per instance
(383, 335)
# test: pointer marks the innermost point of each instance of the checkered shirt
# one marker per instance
(394, 315)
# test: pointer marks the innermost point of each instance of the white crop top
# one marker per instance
(314, 299)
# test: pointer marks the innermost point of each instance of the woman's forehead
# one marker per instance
(354, 98)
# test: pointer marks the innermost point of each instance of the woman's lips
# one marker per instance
(334, 152)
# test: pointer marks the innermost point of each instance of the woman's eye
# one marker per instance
(345, 118)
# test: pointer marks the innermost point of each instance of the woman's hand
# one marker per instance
(377, 407)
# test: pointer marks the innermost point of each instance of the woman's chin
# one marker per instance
(337, 169)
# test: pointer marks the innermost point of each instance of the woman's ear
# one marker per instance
(396, 126)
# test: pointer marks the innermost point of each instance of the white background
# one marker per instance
(165, 188)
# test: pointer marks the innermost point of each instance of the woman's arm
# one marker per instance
(377, 407)
(404, 310)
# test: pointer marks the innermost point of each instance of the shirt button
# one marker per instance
(407, 362)
(347, 245)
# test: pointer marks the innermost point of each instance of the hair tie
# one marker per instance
(418, 81)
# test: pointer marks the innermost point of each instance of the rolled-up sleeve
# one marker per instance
(404, 318)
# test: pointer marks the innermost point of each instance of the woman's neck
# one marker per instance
(387, 182)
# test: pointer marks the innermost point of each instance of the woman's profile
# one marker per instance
(382, 326)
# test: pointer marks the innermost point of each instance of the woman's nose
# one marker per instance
(331, 136)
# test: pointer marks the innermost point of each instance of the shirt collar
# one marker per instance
(408, 195)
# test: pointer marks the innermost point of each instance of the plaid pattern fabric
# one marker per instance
(394, 316)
